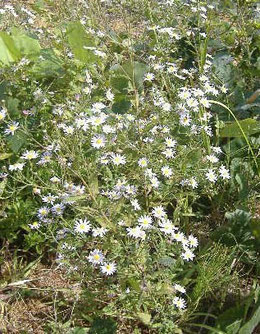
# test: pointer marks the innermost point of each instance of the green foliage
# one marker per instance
(48, 65)
(8, 51)
(28, 46)
(250, 126)
(242, 318)
(76, 88)
(238, 232)
(103, 326)
(81, 43)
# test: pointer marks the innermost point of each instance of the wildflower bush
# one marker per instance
(130, 153)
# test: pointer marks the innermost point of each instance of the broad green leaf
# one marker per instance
(79, 40)
(134, 71)
(250, 126)
(121, 105)
(12, 106)
(8, 50)
(120, 83)
(48, 64)
(17, 141)
(144, 317)
(27, 45)
(223, 66)
(103, 326)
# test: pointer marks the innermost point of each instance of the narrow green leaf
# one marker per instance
(4, 156)
(249, 327)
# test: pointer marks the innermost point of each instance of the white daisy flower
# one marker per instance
(145, 222)
(178, 236)
(96, 257)
(82, 226)
(169, 153)
(58, 209)
(142, 162)
(109, 95)
(205, 102)
(212, 158)
(193, 241)
(224, 173)
(136, 232)
(211, 176)
(43, 212)
(118, 159)
(179, 288)
(99, 231)
(2, 114)
(149, 77)
(97, 107)
(135, 205)
(154, 182)
(16, 166)
(193, 183)
(11, 128)
(108, 268)
(166, 171)
(167, 226)
(170, 142)
(55, 179)
(179, 303)
(159, 212)
(34, 225)
(98, 141)
(188, 255)
(29, 155)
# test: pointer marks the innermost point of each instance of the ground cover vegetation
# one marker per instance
(129, 166)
